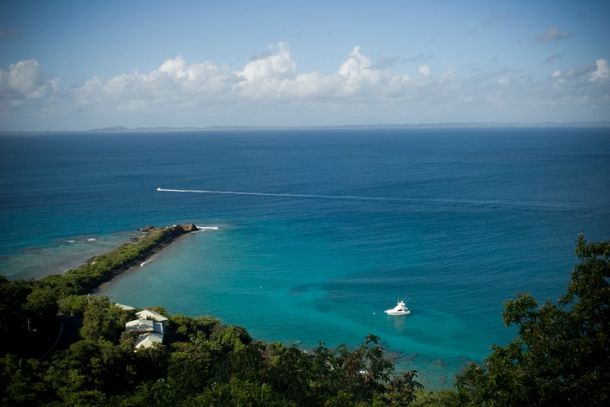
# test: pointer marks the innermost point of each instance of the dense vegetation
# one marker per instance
(28, 309)
(102, 268)
(202, 363)
(559, 357)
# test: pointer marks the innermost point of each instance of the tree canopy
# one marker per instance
(561, 355)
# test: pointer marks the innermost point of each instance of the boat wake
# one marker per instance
(435, 201)
(286, 195)
(203, 228)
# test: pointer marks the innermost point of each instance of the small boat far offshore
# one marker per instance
(399, 309)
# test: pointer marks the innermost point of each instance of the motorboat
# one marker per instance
(399, 309)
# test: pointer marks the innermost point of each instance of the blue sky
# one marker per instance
(78, 65)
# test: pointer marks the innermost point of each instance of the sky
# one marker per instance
(73, 65)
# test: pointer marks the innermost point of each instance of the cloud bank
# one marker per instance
(206, 93)
(270, 77)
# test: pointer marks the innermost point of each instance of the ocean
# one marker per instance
(462, 221)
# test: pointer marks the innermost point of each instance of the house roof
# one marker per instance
(124, 307)
(140, 325)
(148, 340)
(148, 314)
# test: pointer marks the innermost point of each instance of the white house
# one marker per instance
(148, 340)
(140, 325)
(144, 326)
(150, 325)
(155, 316)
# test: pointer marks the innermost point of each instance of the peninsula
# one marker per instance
(102, 268)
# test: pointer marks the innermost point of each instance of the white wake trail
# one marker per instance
(285, 195)
(450, 202)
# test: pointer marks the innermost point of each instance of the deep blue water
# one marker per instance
(486, 213)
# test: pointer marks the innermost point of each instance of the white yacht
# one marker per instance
(399, 309)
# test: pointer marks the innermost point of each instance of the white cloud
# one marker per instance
(558, 77)
(357, 77)
(356, 66)
(424, 70)
(186, 92)
(24, 81)
(602, 71)
(174, 67)
(272, 76)
(277, 65)
(25, 77)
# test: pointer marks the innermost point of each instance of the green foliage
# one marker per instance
(41, 303)
(102, 320)
(183, 328)
(401, 390)
(158, 310)
(73, 305)
(27, 317)
(440, 398)
(206, 363)
(13, 295)
(90, 365)
(190, 369)
(28, 309)
(20, 381)
(238, 393)
(85, 398)
(102, 268)
(13, 315)
(156, 393)
(231, 337)
(560, 355)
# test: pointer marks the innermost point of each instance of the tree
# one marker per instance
(561, 355)
(73, 305)
(400, 391)
(231, 337)
(190, 368)
(41, 303)
(238, 393)
(102, 320)
(151, 394)
(91, 366)
(20, 381)
(13, 316)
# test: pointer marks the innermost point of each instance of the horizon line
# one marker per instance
(474, 124)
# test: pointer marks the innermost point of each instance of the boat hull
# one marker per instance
(394, 313)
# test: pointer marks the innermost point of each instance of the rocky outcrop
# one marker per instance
(189, 228)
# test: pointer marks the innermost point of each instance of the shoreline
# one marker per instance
(175, 232)
(102, 268)
(141, 262)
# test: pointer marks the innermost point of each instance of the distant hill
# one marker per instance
(168, 129)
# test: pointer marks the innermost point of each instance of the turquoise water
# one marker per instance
(485, 214)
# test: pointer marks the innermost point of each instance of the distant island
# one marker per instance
(431, 125)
